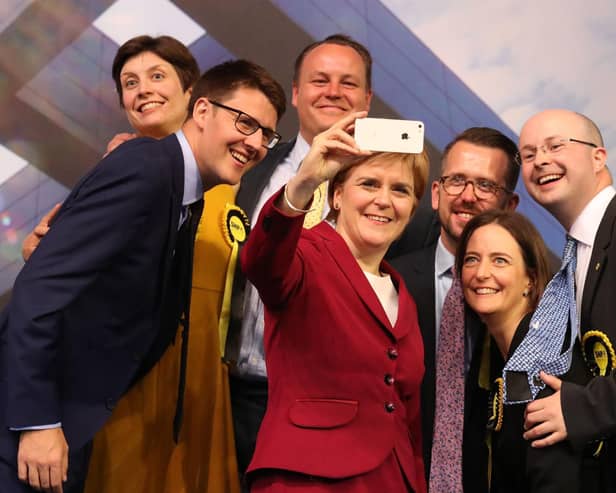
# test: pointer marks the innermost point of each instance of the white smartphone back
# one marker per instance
(389, 135)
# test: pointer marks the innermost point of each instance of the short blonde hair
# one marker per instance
(418, 165)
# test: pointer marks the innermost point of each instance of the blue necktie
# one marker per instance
(541, 348)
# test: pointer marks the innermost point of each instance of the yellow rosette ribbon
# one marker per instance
(495, 418)
(600, 359)
(235, 227)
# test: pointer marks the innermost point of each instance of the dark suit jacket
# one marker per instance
(417, 270)
(422, 231)
(255, 180)
(518, 467)
(590, 411)
(332, 410)
(86, 307)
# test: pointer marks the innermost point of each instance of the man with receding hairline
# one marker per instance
(564, 168)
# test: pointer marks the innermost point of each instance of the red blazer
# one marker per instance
(343, 383)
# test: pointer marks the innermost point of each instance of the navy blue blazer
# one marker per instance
(86, 307)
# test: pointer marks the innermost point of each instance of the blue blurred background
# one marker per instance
(450, 64)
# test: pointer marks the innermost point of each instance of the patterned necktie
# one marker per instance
(542, 346)
(446, 465)
(314, 216)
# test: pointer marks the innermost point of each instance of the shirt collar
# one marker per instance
(444, 260)
(299, 151)
(193, 186)
(585, 227)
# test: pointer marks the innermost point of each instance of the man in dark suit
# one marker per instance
(564, 168)
(483, 158)
(90, 311)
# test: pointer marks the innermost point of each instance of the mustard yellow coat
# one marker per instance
(135, 451)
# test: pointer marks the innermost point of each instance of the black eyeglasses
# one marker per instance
(550, 147)
(248, 125)
(484, 189)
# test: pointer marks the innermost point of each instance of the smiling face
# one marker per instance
(152, 95)
(223, 153)
(331, 84)
(472, 162)
(564, 181)
(375, 203)
(495, 280)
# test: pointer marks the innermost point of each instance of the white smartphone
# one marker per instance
(388, 135)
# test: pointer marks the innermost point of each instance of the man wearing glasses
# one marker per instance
(247, 125)
(478, 173)
(564, 168)
(95, 306)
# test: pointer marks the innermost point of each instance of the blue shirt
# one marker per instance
(250, 355)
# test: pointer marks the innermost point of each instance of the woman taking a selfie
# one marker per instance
(343, 349)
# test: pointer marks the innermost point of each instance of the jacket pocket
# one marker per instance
(322, 413)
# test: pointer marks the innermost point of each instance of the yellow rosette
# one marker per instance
(598, 353)
(495, 418)
(600, 359)
(495, 409)
(235, 227)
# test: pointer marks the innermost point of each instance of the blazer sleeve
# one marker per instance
(97, 221)
(270, 259)
(554, 469)
(589, 411)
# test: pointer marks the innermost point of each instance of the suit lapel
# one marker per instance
(257, 178)
(402, 325)
(166, 295)
(349, 267)
(597, 261)
(421, 279)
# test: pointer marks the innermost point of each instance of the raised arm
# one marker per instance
(269, 258)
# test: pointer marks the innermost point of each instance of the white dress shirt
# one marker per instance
(584, 230)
